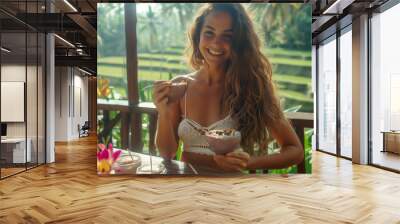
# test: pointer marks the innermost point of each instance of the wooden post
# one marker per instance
(301, 167)
(106, 120)
(152, 132)
(124, 129)
(92, 107)
(132, 76)
(108, 126)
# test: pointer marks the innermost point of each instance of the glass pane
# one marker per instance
(346, 94)
(13, 86)
(31, 88)
(31, 97)
(327, 96)
(41, 99)
(21, 47)
(385, 89)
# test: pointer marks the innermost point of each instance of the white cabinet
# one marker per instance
(17, 147)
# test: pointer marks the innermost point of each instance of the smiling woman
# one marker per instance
(216, 38)
(231, 88)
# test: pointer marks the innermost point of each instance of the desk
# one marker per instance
(13, 150)
(391, 141)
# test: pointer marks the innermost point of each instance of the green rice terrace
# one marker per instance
(292, 73)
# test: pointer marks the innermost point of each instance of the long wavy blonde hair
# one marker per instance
(249, 93)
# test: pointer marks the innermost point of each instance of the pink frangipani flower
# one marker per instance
(116, 154)
(106, 157)
(101, 146)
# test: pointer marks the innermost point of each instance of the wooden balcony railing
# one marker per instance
(131, 125)
(300, 121)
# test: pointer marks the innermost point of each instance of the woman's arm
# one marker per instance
(199, 159)
(166, 138)
(219, 162)
(291, 152)
(166, 135)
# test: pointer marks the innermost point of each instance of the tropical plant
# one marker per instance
(185, 12)
(272, 19)
(103, 88)
(148, 24)
(111, 26)
(298, 35)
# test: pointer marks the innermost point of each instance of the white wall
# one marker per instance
(50, 94)
(33, 127)
(71, 87)
(12, 73)
(80, 100)
(61, 104)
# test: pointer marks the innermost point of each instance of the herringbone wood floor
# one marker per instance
(69, 191)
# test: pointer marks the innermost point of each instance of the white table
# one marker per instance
(18, 150)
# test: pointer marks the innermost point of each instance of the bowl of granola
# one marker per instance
(129, 162)
(223, 141)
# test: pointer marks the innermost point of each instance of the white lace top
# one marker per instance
(189, 132)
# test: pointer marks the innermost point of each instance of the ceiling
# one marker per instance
(328, 15)
(73, 20)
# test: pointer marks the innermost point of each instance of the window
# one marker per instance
(346, 93)
(385, 84)
(23, 76)
(327, 95)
